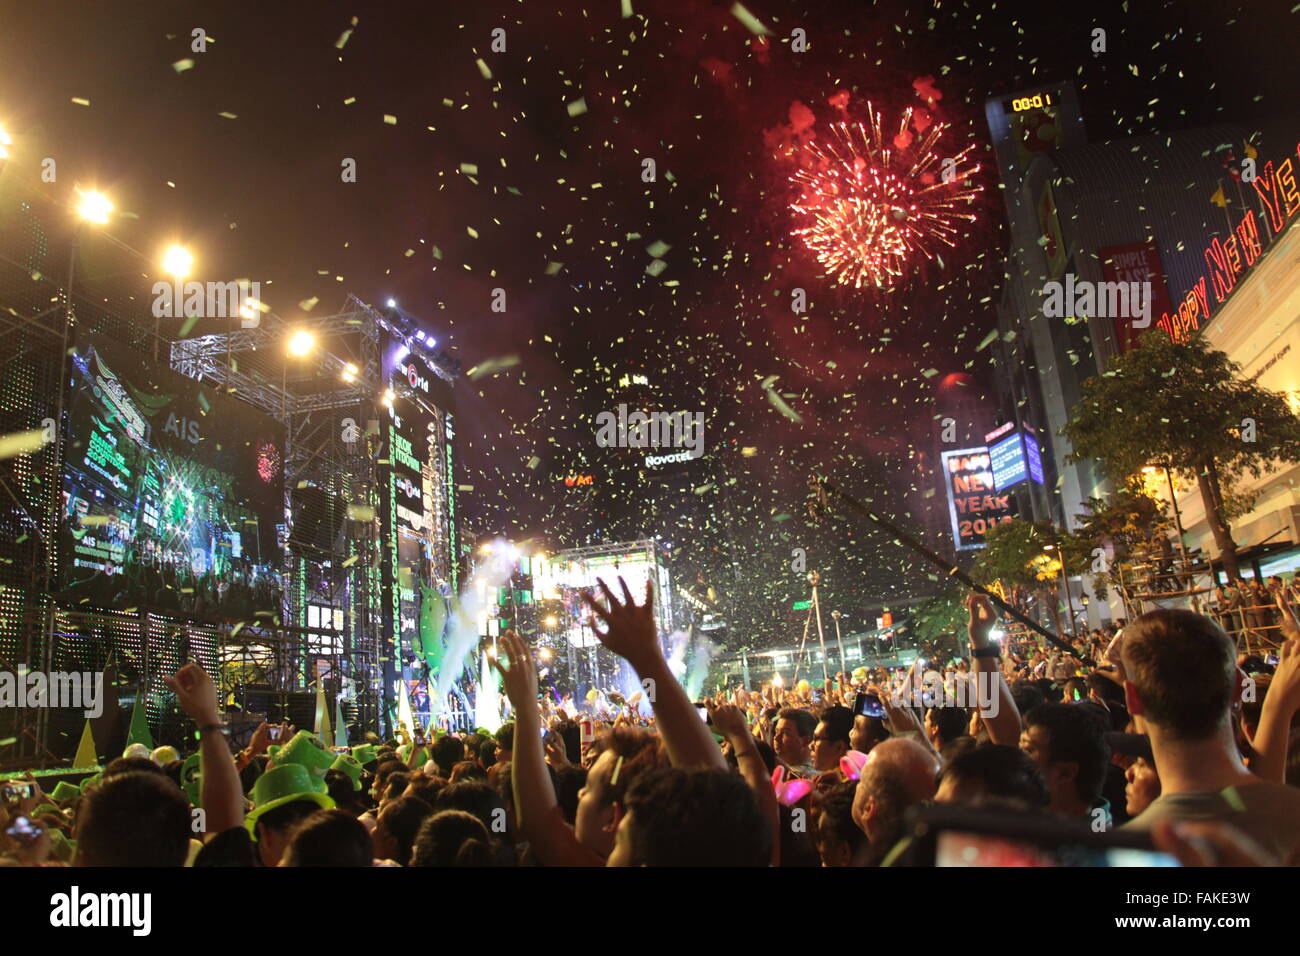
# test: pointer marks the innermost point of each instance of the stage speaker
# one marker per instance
(317, 523)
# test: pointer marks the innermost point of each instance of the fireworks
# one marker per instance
(867, 205)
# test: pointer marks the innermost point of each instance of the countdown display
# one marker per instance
(974, 505)
(171, 491)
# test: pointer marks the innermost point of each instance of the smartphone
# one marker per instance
(867, 705)
(17, 791)
(274, 732)
(25, 831)
(703, 711)
(420, 740)
(948, 835)
(955, 848)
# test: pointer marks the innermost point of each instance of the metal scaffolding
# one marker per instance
(329, 403)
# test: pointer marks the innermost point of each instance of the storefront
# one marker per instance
(1258, 326)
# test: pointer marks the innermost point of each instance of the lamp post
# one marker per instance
(177, 262)
(1065, 584)
(93, 207)
(839, 639)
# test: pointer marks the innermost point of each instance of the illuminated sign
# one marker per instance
(577, 481)
(1034, 457)
(1036, 102)
(1007, 459)
(1227, 261)
(413, 376)
(973, 505)
(652, 460)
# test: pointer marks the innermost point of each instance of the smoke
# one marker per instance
(464, 637)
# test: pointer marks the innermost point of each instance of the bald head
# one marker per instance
(898, 773)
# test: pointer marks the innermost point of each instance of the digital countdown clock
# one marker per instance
(1036, 102)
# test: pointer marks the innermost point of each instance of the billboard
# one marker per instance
(1135, 262)
(171, 491)
(973, 503)
(1013, 457)
(1007, 459)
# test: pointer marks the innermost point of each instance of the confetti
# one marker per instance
(21, 443)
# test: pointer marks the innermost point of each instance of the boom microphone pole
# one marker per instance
(819, 506)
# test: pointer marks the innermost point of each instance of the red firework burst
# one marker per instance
(868, 205)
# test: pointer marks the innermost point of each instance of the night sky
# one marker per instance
(258, 194)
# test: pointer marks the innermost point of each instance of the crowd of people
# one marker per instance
(1158, 729)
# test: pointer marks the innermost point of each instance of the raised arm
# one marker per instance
(223, 799)
(731, 722)
(1273, 735)
(999, 711)
(632, 635)
(540, 817)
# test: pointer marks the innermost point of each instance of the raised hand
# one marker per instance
(520, 679)
(631, 631)
(196, 693)
(982, 617)
(730, 721)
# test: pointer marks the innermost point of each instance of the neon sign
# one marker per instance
(1226, 261)
(577, 481)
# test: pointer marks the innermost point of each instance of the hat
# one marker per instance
(283, 784)
(365, 753)
(137, 750)
(306, 750)
(1131, 745)
(192, 779)
(164, 755)
(61, 848)
(65, 791)
(350, 766)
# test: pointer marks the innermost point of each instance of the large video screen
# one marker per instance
(171, 491)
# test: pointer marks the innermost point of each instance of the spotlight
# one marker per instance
(177, 261)
(350, 372)
(94, 206)
(387, 398)
(301, 343)
(392, 303)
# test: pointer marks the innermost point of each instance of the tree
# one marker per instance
(1125, 520)
(938, 621)
(1026, 556)
(1185, 405)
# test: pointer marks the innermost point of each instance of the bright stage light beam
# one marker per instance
(94, 206)
(177, 261)
(301, 343)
